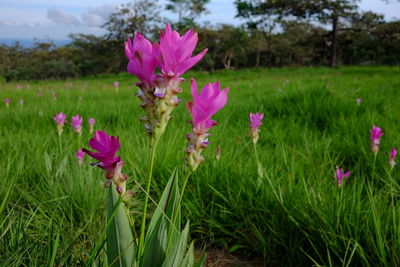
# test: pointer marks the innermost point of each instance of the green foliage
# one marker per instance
(297, 217)
(120, 241)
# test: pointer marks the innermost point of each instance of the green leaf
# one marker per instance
(120, 242)
(189, 258)
(177, 251)
(161, 224)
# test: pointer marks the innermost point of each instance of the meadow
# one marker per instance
(52, 210)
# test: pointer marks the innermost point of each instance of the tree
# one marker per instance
(261, 18)
(140, 15)
(333, 12)
(187, 9)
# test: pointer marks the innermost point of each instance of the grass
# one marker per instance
(52, 210)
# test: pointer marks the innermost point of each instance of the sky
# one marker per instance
(55, 19)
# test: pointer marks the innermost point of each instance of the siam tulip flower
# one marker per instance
(392, 157)
(340, 175)
(359, 101)
(79, 155)
(142, 57)
(116, 84)
(203, 106)
(107, 148)
(159, 93)
(21, 102)
(76, 123)
(376, 134)
(91, 122)
(60, 119)
(177, 52)
(255, 124)
(7, 101)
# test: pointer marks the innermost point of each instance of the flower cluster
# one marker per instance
(392, 157)
(107, 148)
(340, 175)
(76, 123)
(91, 123)
(60, 120)
(376, 134)
(159, 92)
(203, 106)
(255, 124)
(7, 101)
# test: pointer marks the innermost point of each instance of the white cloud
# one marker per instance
(95, 17)
(60, 17)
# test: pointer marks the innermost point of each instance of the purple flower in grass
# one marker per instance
(204, 105)
(60, 119)
(255, 124)
(376, 134)
(340, 175)
(7, 101)
(79, 155)
(76, 123)
(91, 123)
(392, 157)
(106, 148)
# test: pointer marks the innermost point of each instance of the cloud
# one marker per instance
(60, 17)
(95, 17)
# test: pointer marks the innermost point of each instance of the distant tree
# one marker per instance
(187, 9)
(332, 12)
(139, 15)
(262, 19)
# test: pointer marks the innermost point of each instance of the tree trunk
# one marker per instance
(335, 22)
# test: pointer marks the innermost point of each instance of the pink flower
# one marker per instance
(116, 84)
(177, 52)
(255, 120)
(7, 101)
(142, 57)
(376, 134)
(107, 148)
(339, 175)
(255, 124)
(359, 101)
(79, 155)
(91, 121)
(392, 157)
(76, 123)
(203, 106)
(60, 119)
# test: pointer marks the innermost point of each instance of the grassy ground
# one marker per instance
(53, 210)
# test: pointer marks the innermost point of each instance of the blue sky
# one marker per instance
(55, 19)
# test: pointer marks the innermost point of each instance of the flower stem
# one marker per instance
(259, 167)
(154, 142)
(373, 167)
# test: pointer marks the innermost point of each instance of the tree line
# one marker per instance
(274, 33)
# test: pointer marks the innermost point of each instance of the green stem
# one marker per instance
(59, 141)
(373, 167)
(154, 142)
(176, 211)
(259, 168)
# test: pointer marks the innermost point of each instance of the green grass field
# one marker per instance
(52, 210)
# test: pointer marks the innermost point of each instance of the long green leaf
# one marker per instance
(120, 243)
(161, 224)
